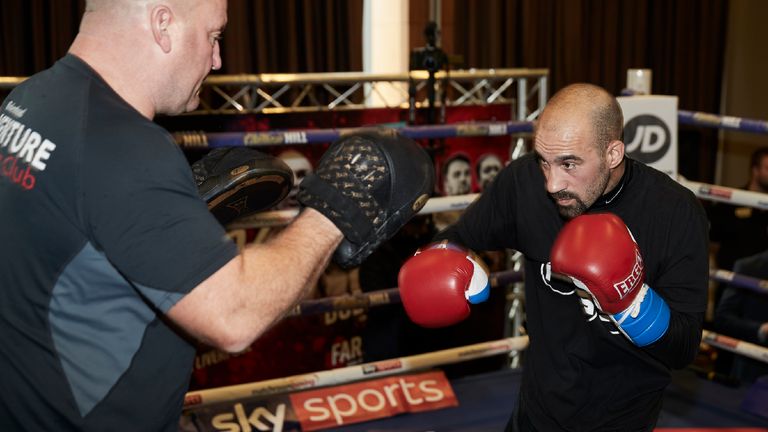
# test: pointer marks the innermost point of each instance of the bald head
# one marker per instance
(154, 53)
(585, 102)
(127, 7)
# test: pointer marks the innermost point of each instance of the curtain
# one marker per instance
(262, 36)
(596, 41)
(271, 36)
(35, 33)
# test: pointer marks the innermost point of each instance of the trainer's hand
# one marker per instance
(369, 186)
(598, 253)
(438, 281)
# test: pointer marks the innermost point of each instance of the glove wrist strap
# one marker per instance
(355, 225)
(646, 320)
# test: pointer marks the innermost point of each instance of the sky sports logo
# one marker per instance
(330, 407)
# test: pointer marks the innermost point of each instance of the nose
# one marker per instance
(554, 181)
(216, 57)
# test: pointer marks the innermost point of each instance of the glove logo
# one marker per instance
(630, 282)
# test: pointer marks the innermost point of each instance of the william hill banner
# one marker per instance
(326, 408)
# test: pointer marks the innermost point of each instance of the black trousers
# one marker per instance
(519, 421)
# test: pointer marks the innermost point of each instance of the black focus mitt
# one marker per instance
(369, 186)
(238, 181)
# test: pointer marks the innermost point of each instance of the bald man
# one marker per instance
(584, 371)
(111, 265)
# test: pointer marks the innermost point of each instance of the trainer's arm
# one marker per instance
(235, 305)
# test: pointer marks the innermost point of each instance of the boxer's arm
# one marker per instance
(683, 282)
(235, 305)
(680, 344)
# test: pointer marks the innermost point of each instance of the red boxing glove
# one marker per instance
(438, 281)
(598, 253)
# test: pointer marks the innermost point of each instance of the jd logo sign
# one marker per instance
(650, 130)
(647, 138)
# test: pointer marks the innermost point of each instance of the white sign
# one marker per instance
(650, 131)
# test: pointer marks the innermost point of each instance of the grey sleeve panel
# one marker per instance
(97, 323)
(163, 300)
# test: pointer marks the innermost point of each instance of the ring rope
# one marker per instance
(759, 286)
(380, 297)
(697, 118)
(725, 194)
(355, 373)
(201, 139)
(392, 295)
(704, 191)
(737, 346)
(382, 368)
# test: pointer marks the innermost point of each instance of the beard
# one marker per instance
(570, 211)
(580, 205)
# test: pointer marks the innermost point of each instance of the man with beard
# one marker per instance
(604, 338)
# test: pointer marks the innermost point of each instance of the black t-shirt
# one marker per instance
(101, 232)
(580, 373)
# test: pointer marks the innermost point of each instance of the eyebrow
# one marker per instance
(561, 158)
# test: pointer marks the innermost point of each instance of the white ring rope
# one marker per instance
(355, 373)
(746, 349)
(726, 194)
(704, 191)
(411, 363)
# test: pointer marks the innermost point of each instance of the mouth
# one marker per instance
(563, 198)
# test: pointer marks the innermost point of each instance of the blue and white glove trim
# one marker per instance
(479, 287)
(646, 320)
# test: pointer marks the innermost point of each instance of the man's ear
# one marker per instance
(161, 17)
(615, 153)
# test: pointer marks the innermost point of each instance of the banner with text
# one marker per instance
(325, 408)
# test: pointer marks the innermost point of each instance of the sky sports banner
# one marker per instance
(650, 130)
(326, 408)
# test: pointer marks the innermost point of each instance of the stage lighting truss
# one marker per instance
(524, 89)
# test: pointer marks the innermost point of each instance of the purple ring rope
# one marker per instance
(484, 129)
(381, 297)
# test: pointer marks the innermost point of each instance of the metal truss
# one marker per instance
(524, 89)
